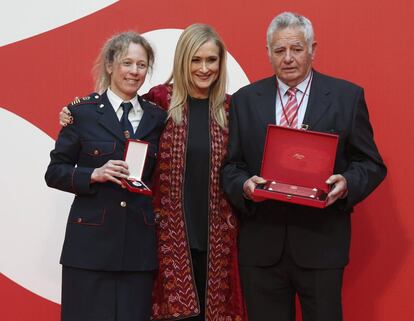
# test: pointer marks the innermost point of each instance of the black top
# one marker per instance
(197, 169)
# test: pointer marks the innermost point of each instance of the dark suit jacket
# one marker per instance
(109, 228)
(318, 238)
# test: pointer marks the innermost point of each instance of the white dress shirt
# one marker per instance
(299, 94)
(136, 112)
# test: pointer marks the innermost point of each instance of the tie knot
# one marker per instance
(126, 107)
(292, 91)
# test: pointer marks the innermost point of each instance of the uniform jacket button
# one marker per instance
(123, 204)
(96, 152)
(79, 220)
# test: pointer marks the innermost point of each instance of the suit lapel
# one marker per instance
(108, 118)
(147, 122)
(266, 105)
(318, 103)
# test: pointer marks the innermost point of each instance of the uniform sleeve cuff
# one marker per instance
(81, 180)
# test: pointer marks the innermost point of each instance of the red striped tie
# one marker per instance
(290, 110)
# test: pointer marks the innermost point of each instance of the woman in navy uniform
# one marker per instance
(109, 252)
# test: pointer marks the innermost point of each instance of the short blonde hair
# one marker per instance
(192, 38)
(112, 51)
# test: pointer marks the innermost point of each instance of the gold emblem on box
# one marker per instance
(298, 156)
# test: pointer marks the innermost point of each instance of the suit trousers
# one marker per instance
(270, 292)
(105, 296)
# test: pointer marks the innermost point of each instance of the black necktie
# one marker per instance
(125, 123)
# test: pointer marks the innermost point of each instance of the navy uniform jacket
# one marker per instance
(317, 238)
(108, 228)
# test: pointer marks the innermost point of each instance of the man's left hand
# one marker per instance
(339, 188)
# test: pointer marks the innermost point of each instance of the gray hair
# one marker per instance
(291, 20)
(112, 51)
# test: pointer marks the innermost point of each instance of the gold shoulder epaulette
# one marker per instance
(91, 99)
(151, 102)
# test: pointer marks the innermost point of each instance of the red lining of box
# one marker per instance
(297, 157)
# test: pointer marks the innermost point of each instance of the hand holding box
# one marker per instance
(135, 156)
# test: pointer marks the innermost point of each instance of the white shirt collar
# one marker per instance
(301, 86)
(116, 101)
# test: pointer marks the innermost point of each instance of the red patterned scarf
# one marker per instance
(175, 295)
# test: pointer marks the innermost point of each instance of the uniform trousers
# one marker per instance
(105, 296)
(270, 292)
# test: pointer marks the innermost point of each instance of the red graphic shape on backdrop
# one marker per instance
(42, 73)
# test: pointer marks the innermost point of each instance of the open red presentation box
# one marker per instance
(296, 163)
(135, 156)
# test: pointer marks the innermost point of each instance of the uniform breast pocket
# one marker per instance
(96, 153)
(85, 212)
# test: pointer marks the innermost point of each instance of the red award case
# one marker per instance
(296, 163)
(135, 156)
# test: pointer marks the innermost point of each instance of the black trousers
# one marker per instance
(270, 291)
(199, 259)
(105, 296)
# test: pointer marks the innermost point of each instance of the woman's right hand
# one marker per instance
(113, 170)
(65, 117)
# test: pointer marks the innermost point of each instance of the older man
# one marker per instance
(288, 249)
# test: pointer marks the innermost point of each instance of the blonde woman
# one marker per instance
(109, 253)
